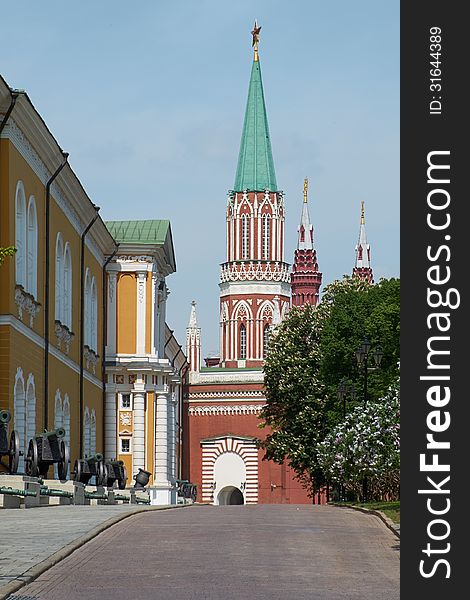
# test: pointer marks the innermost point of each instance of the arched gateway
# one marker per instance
(230, 470)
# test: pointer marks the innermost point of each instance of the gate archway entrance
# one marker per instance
(230, 495)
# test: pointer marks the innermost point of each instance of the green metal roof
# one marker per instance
(139, 232)
(255, 170)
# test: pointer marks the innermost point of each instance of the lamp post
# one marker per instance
(362, 357)
(344, 389)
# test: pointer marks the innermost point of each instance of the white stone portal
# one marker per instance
(229, 476)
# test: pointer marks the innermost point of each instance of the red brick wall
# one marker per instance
(284, 489)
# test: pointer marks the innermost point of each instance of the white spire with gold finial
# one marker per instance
(362, 248)
(305, 229)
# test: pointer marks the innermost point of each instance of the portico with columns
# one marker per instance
(144, 364)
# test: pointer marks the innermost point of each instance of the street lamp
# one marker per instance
(362, 357)
(344, 389)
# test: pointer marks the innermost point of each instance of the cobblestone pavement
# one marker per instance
(275, 552)
(29, 537)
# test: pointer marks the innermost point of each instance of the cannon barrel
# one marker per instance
(118, 463)
(52, 434)
(94, 458)
(4, 416)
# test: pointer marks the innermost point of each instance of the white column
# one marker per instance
(110, 423)
(111, 323)
(161, 326)
(153, 312)
(172, 435)
(161, 440)
(138, 443)
(141, 312)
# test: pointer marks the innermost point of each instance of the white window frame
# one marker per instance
(243, 342)
(121, 402)
(123, 439)
(266, 237)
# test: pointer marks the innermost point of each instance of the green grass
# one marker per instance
(390, 509)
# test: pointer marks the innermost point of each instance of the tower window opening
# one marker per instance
(245, 236)
(265, 340)
(242, 342)
(266, 237)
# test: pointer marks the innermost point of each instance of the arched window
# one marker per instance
(265, 340)
(87, 319)
(242, 342)
(266, 237)
(245, 236)
(59, 278)
(30, 408)
(32, 249)
(20, 235)
(94, 316)
(66, 418)
(86, 432)
(93, 432)
(19, 417)
(67, 287)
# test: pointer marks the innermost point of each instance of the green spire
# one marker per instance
(255, 170)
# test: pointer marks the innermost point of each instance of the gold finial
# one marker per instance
(305, 189)
(255, 40)
(362, 212)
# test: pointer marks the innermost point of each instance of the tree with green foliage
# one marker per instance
(366, 445)
(4, 252)
(310, 352)
(295, 395)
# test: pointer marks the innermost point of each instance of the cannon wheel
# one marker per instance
(77, 471)
(101, 473)
(109, 476)
(14, 453)
(122, 482)
(193, 493)
(32, 459)
(63, 464)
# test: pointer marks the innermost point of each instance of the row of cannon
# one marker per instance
(50, 448)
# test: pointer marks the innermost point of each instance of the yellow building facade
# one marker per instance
(51, 290)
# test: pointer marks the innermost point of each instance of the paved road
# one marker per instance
(29, 537)
(231, 553)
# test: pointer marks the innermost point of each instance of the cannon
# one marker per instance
(186, 489)
(115, 471)
(141, 479)
(9, 447)
(46, 449)
(85, 468)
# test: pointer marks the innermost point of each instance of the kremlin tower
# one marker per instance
(224, 400)
(362, 267)
(305, 276)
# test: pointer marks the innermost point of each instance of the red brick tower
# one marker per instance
(362, 267)
(224, 398)
(305, 277)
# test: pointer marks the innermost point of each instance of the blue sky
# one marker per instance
(148, 98)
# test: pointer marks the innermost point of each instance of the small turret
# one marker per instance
(363, 267)
(305, 277)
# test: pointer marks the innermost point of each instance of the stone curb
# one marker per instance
(34, 572)
(378, 513)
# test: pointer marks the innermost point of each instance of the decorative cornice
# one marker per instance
(63, 334)
(26, 302)
(254, 271)
(201, 411)
(229, 395)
